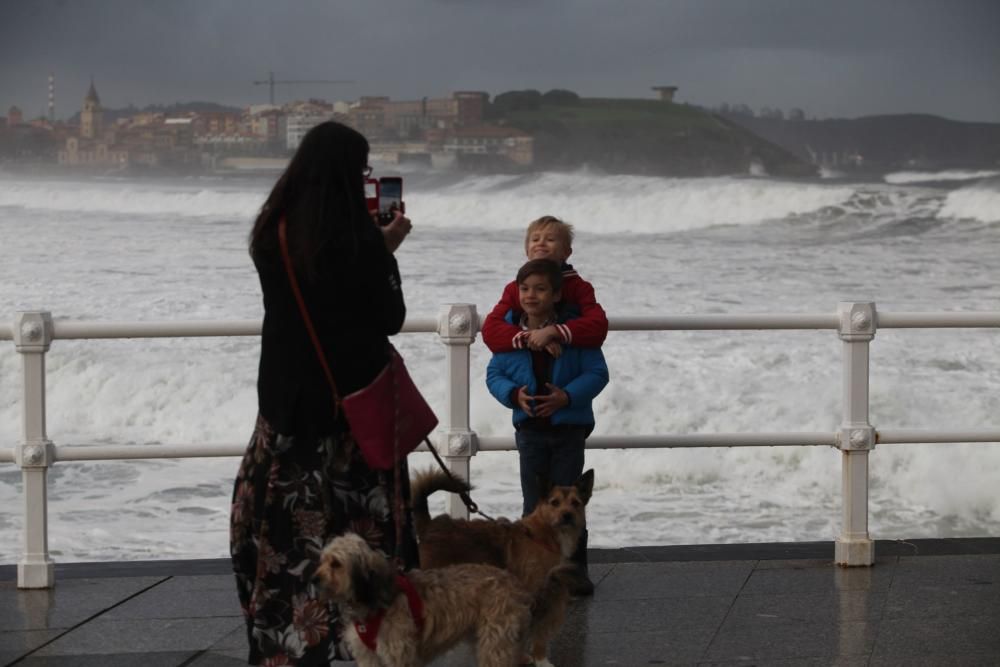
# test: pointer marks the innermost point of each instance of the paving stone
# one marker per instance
(797, 563)
(234, 641)
(26, 640)
(839, 607)
(69, 603)
(922, 611)
(460, 656)
(850, 661)
(159, 659)
(141, 636)
(670, 647)
(973, 636)
(15, 644)
(644, 615)
(179, 600)
(975, 569)
(665, 580)
(959, 660)
(801, 578)
(599, 572)
(217, 659)
(768, 639)
(921, 600)
(821, 563)
(202, 582)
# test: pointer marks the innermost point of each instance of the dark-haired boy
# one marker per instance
(550, 395)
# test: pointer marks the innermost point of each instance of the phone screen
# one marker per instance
(390, 196)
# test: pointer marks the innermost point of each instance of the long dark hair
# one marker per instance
(321, 194)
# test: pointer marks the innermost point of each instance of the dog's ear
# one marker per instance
(364, 585)
(374, 581)
(543, 485)
(385, 581)
(585, 486)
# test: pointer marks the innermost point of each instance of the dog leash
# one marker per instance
(464, 495)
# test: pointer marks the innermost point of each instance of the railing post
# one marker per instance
(855, 547)
(32, 337)
(457, 325)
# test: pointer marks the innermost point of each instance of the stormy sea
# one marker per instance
(127, 249)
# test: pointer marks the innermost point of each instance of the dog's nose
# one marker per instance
(568, 517)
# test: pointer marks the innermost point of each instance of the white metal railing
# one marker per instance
(456, 325)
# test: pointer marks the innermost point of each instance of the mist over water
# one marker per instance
(142, 250)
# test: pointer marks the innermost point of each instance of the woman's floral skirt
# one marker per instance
(291, 496)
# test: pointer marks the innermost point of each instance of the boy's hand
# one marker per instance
(538, 339)
(546, 406)
(524, 401)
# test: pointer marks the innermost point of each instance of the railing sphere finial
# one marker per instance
(861, 320)
(459, 323)
(31, 330)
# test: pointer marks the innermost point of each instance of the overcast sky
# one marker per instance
(832, 58)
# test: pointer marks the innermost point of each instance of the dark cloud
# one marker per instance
(844, 58)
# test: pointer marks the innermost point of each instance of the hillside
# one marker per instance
(640, 137)
(884, 143)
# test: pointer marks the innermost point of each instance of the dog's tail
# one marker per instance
(554, 591)
(426, 483)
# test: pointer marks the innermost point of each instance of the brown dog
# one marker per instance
(529, 548)
(405, 621)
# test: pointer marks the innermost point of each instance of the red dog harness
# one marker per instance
(368, 629)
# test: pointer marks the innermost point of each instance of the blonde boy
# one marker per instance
(549, 238)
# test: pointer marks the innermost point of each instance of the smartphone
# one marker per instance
(390, 198)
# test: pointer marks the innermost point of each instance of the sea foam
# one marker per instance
(911, 177)
(650, 247)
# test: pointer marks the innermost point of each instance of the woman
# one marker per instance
(302, 479)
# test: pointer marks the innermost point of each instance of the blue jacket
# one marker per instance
(581, 372)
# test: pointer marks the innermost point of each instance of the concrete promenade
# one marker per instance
(925, 602)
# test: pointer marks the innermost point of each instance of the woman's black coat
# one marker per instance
(355, 301)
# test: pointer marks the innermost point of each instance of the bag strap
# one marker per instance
(398, 507)
(397, 482)
(397, 478)
(287, 261)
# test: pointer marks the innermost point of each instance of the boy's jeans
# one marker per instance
(554, 453)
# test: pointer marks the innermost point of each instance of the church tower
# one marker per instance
(92, 116)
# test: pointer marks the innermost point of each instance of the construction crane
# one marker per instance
(270, 82)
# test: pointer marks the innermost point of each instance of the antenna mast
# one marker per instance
(52, 98)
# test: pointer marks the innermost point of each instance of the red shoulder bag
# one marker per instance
(389, 418)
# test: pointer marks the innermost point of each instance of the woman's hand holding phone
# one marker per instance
(396, 231)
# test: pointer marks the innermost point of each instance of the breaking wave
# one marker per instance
(906, 177)
(593, 202)
(980, 202)
(135, 199)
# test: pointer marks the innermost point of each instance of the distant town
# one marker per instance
(514, 131)
(439, 132)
